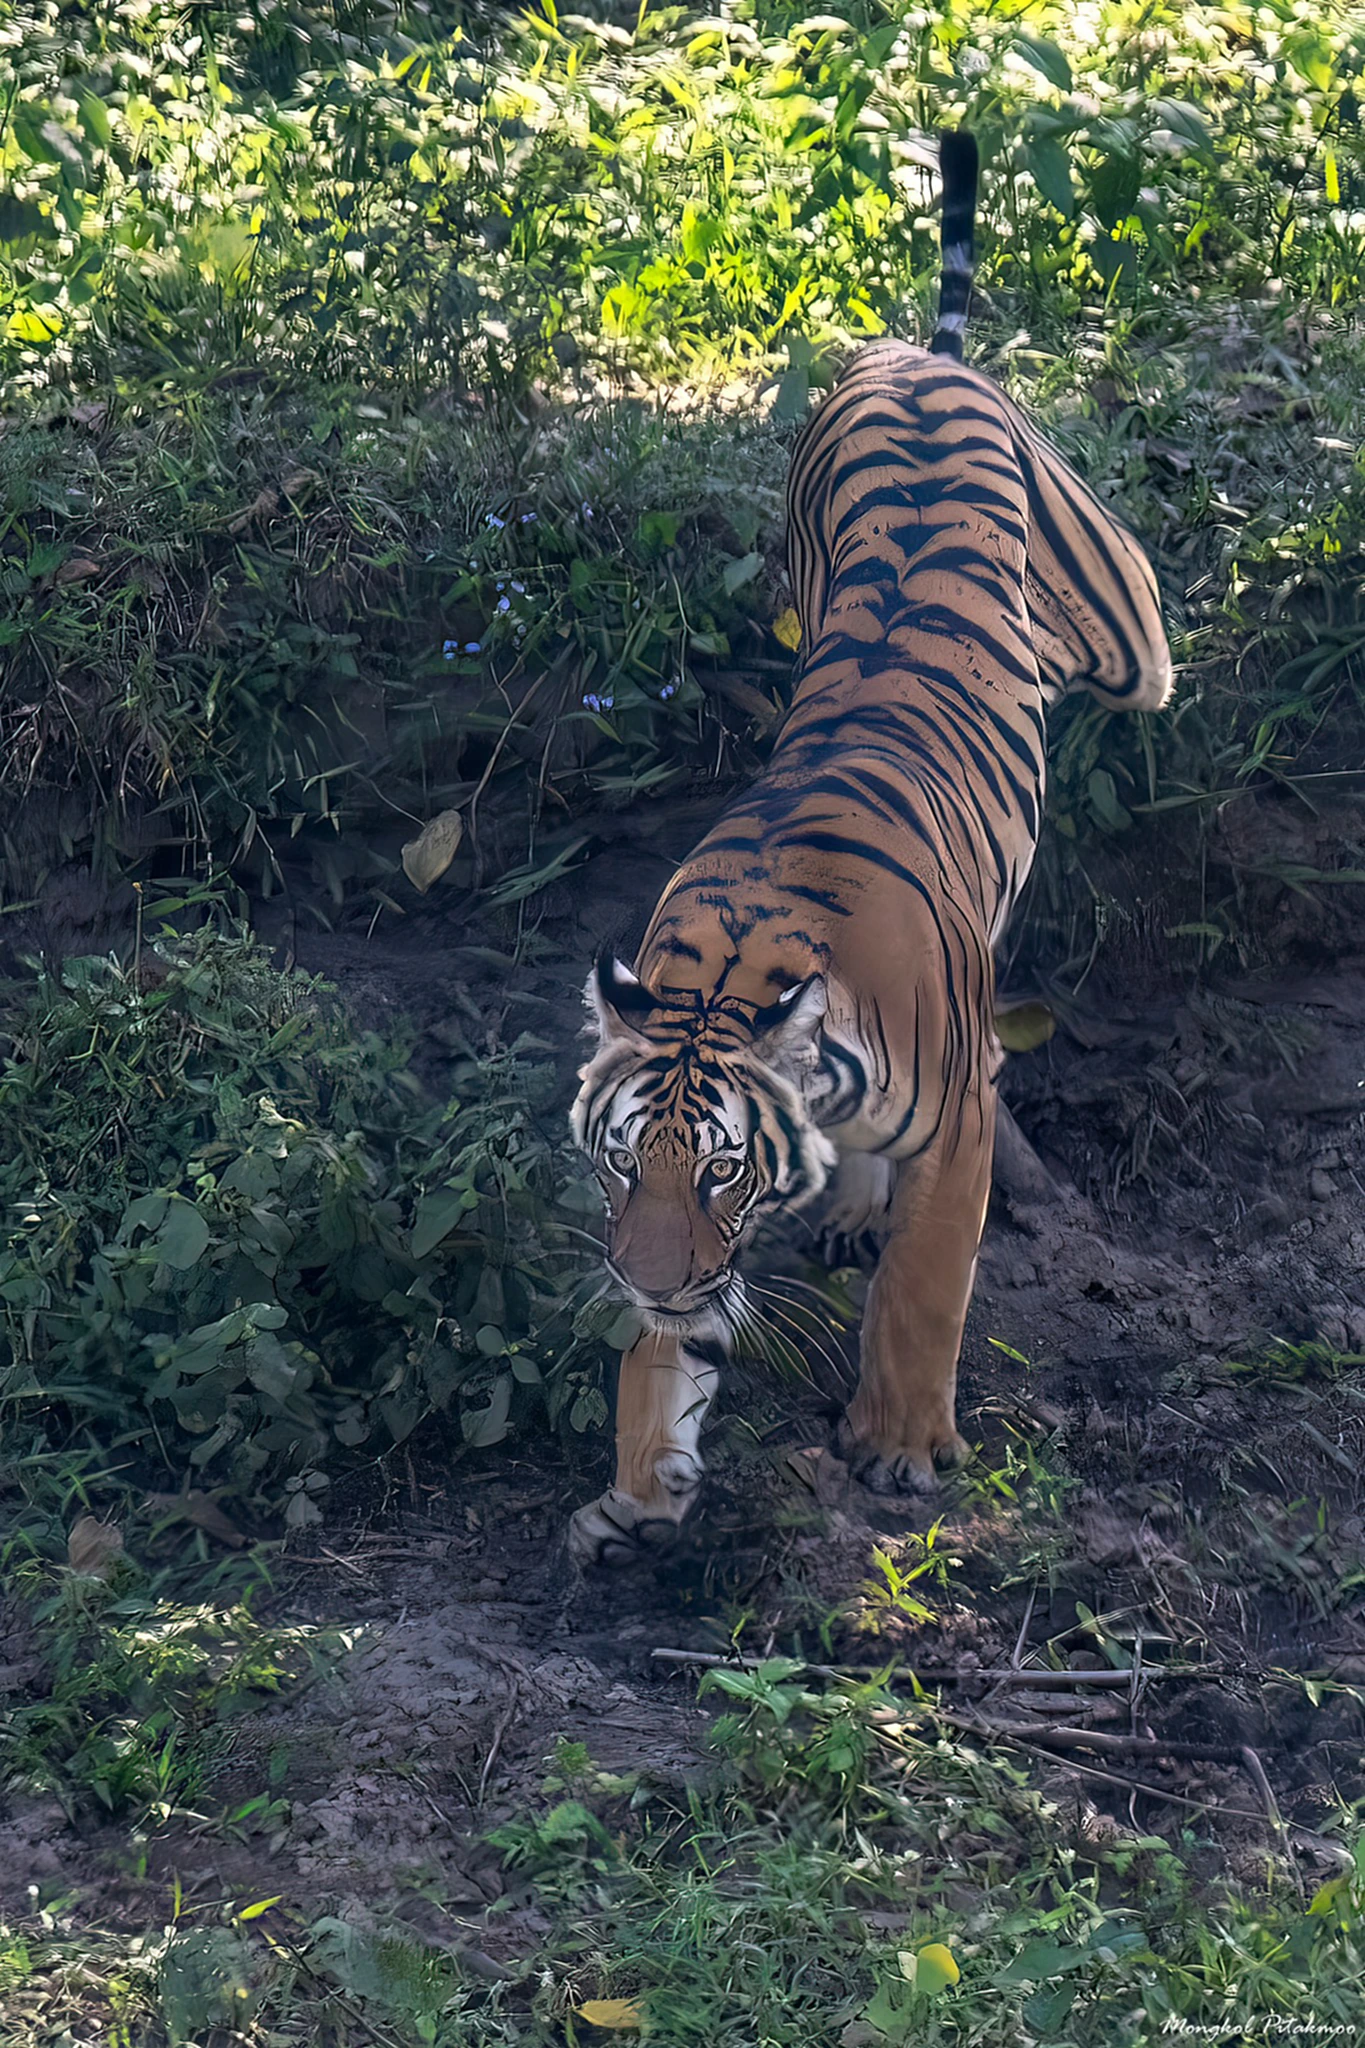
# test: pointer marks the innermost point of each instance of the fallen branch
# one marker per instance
(1105, 1777)
(933, 1674)
(1141, 1785)
(1052, 1741)
(1089, 1738)
(503, 1725)
(1255, 1770)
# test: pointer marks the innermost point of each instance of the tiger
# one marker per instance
(812, 1007)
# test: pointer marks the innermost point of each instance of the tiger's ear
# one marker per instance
(787, 1032)
(619, 1002)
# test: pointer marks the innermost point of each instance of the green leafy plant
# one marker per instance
(240, 1239)
(889, 1595)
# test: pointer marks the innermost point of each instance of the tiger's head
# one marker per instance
(695, 1117)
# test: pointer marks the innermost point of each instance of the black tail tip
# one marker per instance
(959, 158)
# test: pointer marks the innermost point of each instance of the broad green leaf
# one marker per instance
(437, 1215)
(1102, 792)
(148, 1212)
(184, 1237)
(793, 394)
(94, 119)
(484, 1426)
(736, 574)
(1051, 168)
(1180, 117)
(1046, 58)
(1048, 2007)
(1039, 1961)
(657, 531)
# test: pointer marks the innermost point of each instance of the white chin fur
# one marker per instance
(708, 1325)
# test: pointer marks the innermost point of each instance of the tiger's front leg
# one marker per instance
(901, 1423)
(661, 1399)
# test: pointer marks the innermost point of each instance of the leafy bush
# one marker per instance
(396, 191)
(231, 1219)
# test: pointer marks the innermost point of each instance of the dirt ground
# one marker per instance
(1161, 1373)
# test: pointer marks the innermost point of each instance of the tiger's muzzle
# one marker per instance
(667, 1255)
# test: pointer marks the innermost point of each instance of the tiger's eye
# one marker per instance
(621, 1162)
(723, 1169)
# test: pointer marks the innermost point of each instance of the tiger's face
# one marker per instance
(695, 1123)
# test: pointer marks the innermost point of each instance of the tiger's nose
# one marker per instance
(654, 1248)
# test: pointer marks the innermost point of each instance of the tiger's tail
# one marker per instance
(959, 161)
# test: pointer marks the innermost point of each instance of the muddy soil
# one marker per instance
(1158, 1370)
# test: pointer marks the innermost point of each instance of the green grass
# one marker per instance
(807, 1886)
(811, 1893)
(286, 691)
(433, 271)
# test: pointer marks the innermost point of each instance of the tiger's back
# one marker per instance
(898, 816)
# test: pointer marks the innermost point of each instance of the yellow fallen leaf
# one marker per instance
(1021, 1027)
(93, 1547)
(426, 858)
(935, 1967)
(787, 628)
(621, 2015)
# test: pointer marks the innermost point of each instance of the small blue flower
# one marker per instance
(473, 647)
(449, 649)
(492, 519)
(596, 703)
(668, 690)
(520, 589)
(504, 604)
(586, 509)
(527, 517)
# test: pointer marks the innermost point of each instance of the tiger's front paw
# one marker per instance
(904, 1468)
(617, 1529)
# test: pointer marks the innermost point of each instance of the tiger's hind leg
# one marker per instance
(661, 1399)
(901, 1423)
(858, 1211)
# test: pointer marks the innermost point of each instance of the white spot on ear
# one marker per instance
(792, 1043)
